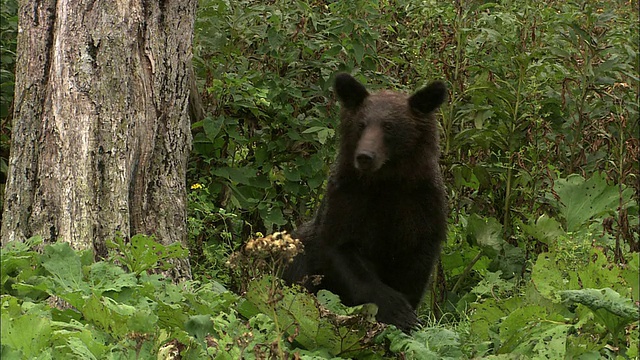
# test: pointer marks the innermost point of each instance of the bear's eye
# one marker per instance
(361, 125)
(388, 126)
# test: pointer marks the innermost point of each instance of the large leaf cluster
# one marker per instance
(61, 304)
(540, 148)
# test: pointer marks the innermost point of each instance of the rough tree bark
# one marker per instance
(101, 131)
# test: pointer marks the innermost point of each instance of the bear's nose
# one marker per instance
(364, 160)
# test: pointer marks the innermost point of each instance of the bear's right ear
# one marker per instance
(349, 91)
(429, 98)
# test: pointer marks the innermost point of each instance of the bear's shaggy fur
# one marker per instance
(379, 229)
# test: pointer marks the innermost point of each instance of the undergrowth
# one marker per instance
(540, 147)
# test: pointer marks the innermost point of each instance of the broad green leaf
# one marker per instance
(144, 319)
(510, 261)
(19, 268)
(291, 174)
(332, 302)
(545, 229)
(314, 129)
(550, 343)
(212, 126)
(324, 135)
(516, 321)
(582, 200)
(105, 276)
(405, 344)
(487, 232)
(322, 132)
(613, 310)
(272, 215)
(142, 252)
(199, 326)
(65, 268)
(547, 277)
(631, 274)
(444, 342)
(9, 353)
(484, 317)
(236, 175)
(209, 298)
(599, 273)
(80, 349)
(298, 314)
(492, 282)
(530, 331)
(20, 247)
(358, 51)
(108, 315)
(170, 316)
(28, 333)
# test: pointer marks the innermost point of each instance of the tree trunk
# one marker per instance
(101, 131)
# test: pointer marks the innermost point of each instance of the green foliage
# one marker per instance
(536, 325)
(582, 200)
(541, 320)
(609, 308)
(299, 316)
(142, 253)
(208, 221)
(264, 148)
(100, 310)
(433, 343)
(540, 148)
(93, 309)
(534, 314)
(8, 41)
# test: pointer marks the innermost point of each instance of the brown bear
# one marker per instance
(380, 226)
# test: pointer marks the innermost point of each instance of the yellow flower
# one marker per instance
(196, 186)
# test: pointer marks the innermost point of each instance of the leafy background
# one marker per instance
(540, 152)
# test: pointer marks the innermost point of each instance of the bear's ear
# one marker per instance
(349, 91)
(429, 98)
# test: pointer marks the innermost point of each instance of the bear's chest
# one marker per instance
(378, 222)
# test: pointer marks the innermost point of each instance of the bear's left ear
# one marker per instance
(429, 98)
(350, 92)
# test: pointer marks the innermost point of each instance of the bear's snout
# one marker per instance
(365, 160)
(370, 152)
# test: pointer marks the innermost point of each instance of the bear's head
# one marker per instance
(387, 130)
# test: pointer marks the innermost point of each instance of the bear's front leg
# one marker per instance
(352, 277)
